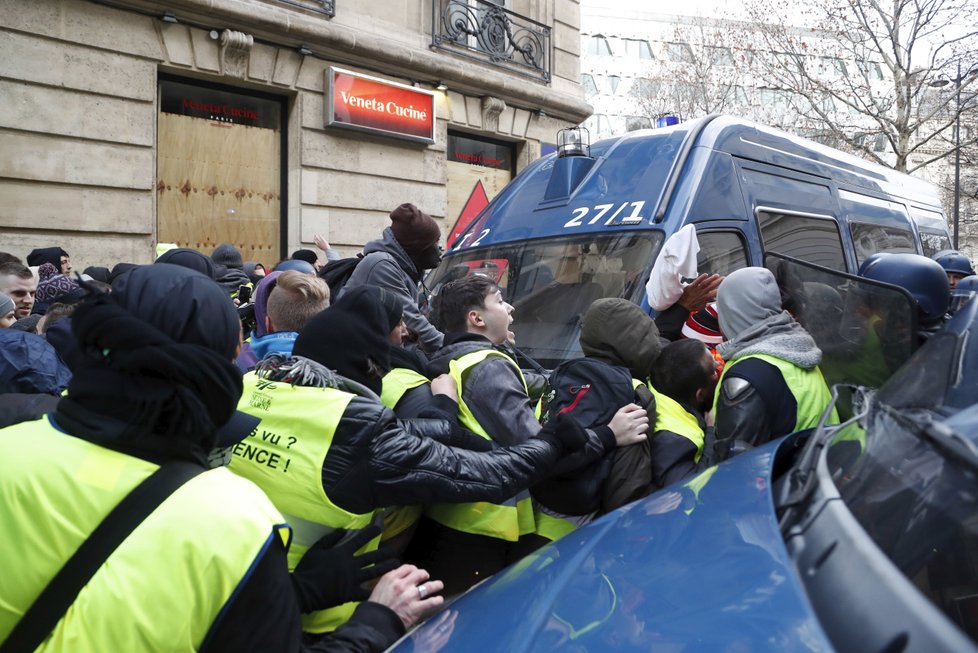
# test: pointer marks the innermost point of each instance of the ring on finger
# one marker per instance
(422, 591)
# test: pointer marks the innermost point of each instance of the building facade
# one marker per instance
(124, 125)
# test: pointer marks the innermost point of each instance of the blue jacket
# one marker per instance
(29, 364)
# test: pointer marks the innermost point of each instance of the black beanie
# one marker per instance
(44, 255)
(347, 334)
(228, 255)
(306, 255)
(393, 308)
(414, 229)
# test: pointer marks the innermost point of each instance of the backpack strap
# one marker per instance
(52, 604)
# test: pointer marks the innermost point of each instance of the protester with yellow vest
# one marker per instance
(683, 381)
(494, 403)
(329, 454)
(116, 536)
(771, 385)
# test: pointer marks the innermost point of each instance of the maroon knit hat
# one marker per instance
(414, 229)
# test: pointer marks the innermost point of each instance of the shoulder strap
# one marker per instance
(48, 609)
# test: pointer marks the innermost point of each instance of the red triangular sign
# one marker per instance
(477, 201)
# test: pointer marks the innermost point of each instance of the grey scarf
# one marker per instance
(778, 335)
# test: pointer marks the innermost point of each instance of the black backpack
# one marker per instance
(590, 391)
(337, 273)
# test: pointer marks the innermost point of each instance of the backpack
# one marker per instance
(590, 391)
(337, 273)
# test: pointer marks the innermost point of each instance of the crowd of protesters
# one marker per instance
(281, 472)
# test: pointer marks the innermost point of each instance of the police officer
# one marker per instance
(771, 384)
(956, 265)
(926, 280)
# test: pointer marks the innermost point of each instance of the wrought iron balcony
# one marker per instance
(481, 30)
(325, 7)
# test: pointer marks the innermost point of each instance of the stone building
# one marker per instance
(265, 122)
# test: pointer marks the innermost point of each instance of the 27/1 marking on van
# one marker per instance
(466, 237)
(601, 210)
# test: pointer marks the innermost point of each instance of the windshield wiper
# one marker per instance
(800, 482)
(947, 439)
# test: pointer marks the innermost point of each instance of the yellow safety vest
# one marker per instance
(506, 521)
(396, 383)
(284, 457)
(670, 416)
(165, 584)
(553, 525)
(806, 386)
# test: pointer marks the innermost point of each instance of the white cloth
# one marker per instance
(676, 260)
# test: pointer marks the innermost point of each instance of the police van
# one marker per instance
(588, 221)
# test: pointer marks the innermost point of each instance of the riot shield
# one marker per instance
(865, 329)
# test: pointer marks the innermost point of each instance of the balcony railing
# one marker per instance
(486, 32)
(325, 7)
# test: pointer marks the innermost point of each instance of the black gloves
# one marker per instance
(331, 573)
(566, 433)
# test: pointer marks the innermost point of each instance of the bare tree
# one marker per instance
(699, 74)
(863, 70)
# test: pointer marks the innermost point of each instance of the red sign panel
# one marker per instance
(370, 104)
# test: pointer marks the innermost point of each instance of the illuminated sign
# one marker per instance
(375, 105)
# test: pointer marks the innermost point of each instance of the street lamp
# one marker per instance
(957, 138)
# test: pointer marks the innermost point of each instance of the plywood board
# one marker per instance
(219, 182)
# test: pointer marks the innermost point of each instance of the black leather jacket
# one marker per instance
(376, 460)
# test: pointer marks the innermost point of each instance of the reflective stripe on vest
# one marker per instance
(808, 388)
(284, 457)
(506, 521)
(165, 584)
(670, 416)
(554, 525)
(397, 382)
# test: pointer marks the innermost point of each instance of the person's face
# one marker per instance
(398, 334)
(496, 316)
(953, 278)
(260, 271)
(65, 265)
(8, 319)
(22, 292)
(704, 396)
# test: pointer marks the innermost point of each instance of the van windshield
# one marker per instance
(551, 282)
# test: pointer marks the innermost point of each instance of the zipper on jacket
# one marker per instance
(580, 392)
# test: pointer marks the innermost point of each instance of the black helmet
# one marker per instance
(922, 277)
(966, 289)
(954, 262)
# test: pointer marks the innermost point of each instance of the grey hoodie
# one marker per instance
(385, 264)
(751, 318)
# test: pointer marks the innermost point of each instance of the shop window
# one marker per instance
(598, 46)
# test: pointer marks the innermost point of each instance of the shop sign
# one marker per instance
(378, 106)
(484, 153)
(220, 106)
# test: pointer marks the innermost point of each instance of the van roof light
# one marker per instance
(666, 121)
(574, 141)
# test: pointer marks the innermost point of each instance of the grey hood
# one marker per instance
(751, 318)
(389, 245)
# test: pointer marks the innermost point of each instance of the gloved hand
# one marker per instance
(566, 432)
(331, 574)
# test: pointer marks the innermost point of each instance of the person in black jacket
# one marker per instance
(684, 377)
(158, 385)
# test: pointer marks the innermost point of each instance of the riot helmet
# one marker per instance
(922, 277)
(954, 262)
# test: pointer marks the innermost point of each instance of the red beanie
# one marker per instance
(414, 229)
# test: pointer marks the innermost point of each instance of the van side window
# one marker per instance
(721, 252)
(809, 238)
(934, 241)
(870, 238)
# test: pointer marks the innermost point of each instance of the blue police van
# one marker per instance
(588, 221)
(861, 536)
